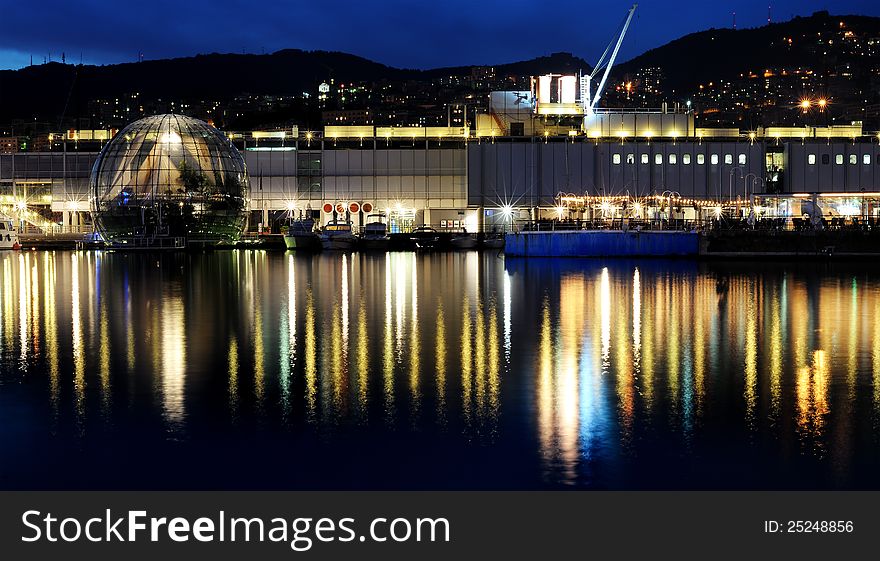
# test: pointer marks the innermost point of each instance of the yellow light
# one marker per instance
(597, 134)
(621, 134)
(649, 134)
(823, 102)
(805, 104)
(752, 136)
(560, 210)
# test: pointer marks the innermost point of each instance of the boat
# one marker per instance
(425, 237)
(375, 236)
(463, 240)
(493, 241)
(8, 234)
(300, 235)
(337, 234)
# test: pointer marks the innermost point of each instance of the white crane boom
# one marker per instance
(590, 101)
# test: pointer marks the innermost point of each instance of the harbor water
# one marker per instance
(440, 370)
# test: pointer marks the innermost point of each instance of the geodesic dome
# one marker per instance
(170, 175)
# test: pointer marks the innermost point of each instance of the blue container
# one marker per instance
(602, 243)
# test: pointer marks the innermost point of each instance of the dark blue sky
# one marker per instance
(412, 33)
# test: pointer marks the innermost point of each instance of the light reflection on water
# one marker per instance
(435, 370)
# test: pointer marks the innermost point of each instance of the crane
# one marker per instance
(606, 61)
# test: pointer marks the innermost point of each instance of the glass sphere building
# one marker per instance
(170, 175)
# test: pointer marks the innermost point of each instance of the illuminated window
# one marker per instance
(630, 158)
(615, 159)
(673, 159)
(728, 159)
(658, 159)
(714, 159)
(686, 159)
(644, 158)
(742, 159)
(701, 159)
(838, 159)
(853, 159)
(866, 158)
(826, 159)
(811, 159)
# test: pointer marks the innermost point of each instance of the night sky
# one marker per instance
(413, 34)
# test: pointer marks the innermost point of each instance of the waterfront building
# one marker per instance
(451, 178)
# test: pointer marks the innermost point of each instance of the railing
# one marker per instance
(725, 224)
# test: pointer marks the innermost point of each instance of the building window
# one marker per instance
(714, 159)
(686, 159)
(701, 159)
(644, 158)
(658, 159)
(673, 159)
(630, 158)
(728, 159)
(826, 159)
(742, 159)
(853, 159)
(309, 187)
(811, 159)
(615, 159)
(866, 158)
(838, 159)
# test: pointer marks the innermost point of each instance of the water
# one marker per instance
(249, 370)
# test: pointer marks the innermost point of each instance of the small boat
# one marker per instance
(375, 236)
(337, 234)
(425, 237)
(463, 240)
(493, 241)
(300, 235)
(8, 234)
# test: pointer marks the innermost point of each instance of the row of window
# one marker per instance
(685, 159)
(838, 159)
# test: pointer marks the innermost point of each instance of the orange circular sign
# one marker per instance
(328, 208)
(340, 208)
(354, 207)
(368, 207)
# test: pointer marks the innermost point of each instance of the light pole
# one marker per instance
(746, 191)
(730, 182)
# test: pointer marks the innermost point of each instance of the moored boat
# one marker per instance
(463, 240)
(301, 236)
(8, 233)
(493, 241)
(375, 236)
(337, 235)
(425, 237)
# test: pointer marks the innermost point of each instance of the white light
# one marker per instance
(169, 137)
(507, 211)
